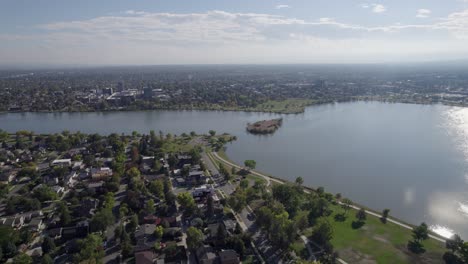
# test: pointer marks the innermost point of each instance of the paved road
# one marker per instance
(267, 178)
(227, 188)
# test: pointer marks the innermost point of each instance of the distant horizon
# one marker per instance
(147, 32)
(460, 62)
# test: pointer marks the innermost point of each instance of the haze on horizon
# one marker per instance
(124, 32)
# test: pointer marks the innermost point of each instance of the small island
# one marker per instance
(264, 126)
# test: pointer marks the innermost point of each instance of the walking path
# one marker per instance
(269, 179)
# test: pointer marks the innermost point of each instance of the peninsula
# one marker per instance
(265, 126)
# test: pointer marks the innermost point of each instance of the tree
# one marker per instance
(158, 232)
(46, 259)
(346, 204)
(118, 231)
(109, 200)
(221, 234)
(237, 201)
(65, 217)
(194, 238)
(361, 215)
(212, 133)
(244, 184)
(123, 210)
(385, 213)
(236, 243)
(22, 258)
(134, 172)
(149, 208)
(210, 206)
(233, 170)
(91, 249)
(45, 193)
(299, 181)
(454, 243)
(421, 232)
(301, 220)
(48, 245)
(322, 232)
(251, 164)
(187, 202)
(102, 219)
(132, 225)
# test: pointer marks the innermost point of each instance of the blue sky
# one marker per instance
(86, 32)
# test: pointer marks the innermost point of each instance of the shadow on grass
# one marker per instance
(340, 217)
(357, 224)
(416, 247)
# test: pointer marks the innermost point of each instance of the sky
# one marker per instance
(153, 32)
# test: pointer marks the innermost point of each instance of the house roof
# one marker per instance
(144, 257)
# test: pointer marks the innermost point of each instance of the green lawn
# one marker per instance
(178, 145)
(288, 106)
(379, 242)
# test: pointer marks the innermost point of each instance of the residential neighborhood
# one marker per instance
(71, 198)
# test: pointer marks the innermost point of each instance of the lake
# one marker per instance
(412, 159)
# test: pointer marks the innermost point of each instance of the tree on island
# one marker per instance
(212, 133)
(251, 164)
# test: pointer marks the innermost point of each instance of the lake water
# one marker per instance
(412, 159)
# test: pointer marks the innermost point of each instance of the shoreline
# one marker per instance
(355, 206)
(247, 110)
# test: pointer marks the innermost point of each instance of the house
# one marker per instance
(58, 189)
(80, 230)
(99, 174)
(55, 233)
(36, 225)
(146, 163)
(180, 181)
(71, 179)
(96, 186)
(230, 225)
(196, 177)
(144, 232)
(206, 255)
(203, 191)
(51, 180)
(15, 221)
(8, 175)
(62, 162)
(145, 257)
(88, 207)
(77, 165)
(42, 167)
(228, 257)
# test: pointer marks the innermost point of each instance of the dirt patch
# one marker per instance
(425, 258)
(381, 239)
(353, 256)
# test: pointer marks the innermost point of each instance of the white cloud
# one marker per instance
(378, 8)
(282, 6)
(365, 6)
(224, 37)
(423, 13)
